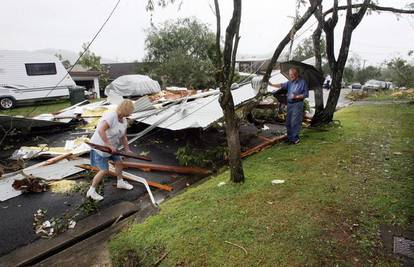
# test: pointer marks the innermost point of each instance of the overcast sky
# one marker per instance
(32, 25)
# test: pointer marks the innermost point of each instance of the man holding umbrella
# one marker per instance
(297, 90)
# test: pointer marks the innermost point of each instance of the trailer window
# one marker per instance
(33, 69)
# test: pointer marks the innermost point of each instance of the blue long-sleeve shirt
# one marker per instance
(297, 87)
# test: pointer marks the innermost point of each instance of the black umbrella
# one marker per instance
(309, 73)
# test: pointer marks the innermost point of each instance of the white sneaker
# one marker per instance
(92, 194)
(123, 185)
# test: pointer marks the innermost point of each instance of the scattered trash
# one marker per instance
(144, 153)
(71, 224)
(52, 227)
(76, 147)
(30, 184)
(221, 184)
(278, 181)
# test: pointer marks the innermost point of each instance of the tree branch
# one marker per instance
(233, 60)
(361, 13)
(229, 43)
(329, 29)
(316, 39)
(218, 34)
(373, 7)
(300, 22)
(248, 107)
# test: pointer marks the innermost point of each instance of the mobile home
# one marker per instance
(29, 76)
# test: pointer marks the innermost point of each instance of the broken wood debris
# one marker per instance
(112, 173)
(267, 142)
(118, 153)
(147, 167)
(30, 184)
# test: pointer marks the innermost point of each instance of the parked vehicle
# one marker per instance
(374, 85)
(356, 86)
(30, 76)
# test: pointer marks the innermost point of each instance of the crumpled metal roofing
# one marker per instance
(199, 112)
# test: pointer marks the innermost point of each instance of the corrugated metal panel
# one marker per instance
(200, 112)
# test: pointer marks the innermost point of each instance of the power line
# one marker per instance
(80, 56)
(77, 60)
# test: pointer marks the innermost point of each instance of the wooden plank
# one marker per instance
(263, 145)
(165, 168)
(118, 153)
(56, 159)
(153, 184)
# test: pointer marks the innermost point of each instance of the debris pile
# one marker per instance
(30, 184)
(52, 227)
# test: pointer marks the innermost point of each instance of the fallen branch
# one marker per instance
(153, 184)
(245, 251)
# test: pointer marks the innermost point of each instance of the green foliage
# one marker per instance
(306, 105)
(397, 70)
(268, 114)
(183, 51)
(206, 157)
(304, 50)
(92, 61)
(370, 72)
(401, 72)
(88, 206)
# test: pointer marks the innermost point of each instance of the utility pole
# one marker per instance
(292, 34)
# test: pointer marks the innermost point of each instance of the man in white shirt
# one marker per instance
(110, 132)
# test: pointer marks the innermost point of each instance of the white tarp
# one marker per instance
(133, 85)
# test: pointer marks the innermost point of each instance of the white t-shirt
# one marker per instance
(114, 133)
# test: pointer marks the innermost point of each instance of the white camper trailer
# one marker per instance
(31, 76)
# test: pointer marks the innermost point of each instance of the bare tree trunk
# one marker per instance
(225, 72)
(337, 66)
(316, 38)
(233, 142)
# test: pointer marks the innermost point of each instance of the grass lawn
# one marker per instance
(39, 108)
(340, 186)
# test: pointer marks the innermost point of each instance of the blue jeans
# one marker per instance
(294, 120)
(100, 161)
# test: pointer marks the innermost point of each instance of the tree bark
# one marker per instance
(316, 38)
(225, 68)
(337, 66)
